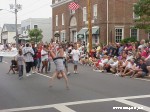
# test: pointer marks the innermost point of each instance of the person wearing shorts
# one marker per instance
(75, 56)
(142, 72)
(44, 58)
(58, 59)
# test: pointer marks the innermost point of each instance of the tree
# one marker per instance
(142, 9)
(35, 35)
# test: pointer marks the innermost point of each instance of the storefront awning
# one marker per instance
(95, 31)
(24, 38)
(82, 31)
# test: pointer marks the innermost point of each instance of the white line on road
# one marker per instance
(43, 75)
(133, 104)
(142, 79)
(107, 73)
(63, 108)
(5, 62)
(59, 106)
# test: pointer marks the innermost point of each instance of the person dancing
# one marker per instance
(58, 60)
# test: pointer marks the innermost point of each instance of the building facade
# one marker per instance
(45, 24)
(112, 21)
(0, 35)
(8, 33)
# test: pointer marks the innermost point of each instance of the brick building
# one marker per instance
(112, 21)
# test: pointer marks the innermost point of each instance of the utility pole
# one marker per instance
(16, 7)
(16, 10)
(107, 22)
(89, 25)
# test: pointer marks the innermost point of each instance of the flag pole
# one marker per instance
(89, 25)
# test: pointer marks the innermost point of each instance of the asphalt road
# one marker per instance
(89, 92)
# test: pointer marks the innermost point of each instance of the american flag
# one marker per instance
(73, 6)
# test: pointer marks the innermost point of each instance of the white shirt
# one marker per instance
(75, 54)
(45, 57)
(1, 47)
(28, 57)
(115, 64)
(104, 61)
(13, 49)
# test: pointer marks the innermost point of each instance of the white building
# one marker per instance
(45, 24)
(0, 34)
(8, 33)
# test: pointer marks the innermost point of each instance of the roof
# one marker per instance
(11, 27)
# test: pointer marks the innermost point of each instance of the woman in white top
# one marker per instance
(44, 58)
(129, 70)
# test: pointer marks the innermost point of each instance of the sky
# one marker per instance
(30, 9)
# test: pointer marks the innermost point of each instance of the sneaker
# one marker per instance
(28, 74)
(68, 73)
(94, 69)
(116, 74)
(20, 77)
(100, 71)
(77, 72)
(49, 71)
(33, 72)
(74, 72)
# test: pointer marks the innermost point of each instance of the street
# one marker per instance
(89, 92)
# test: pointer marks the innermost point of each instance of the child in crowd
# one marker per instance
(13, 66)
(20, 61)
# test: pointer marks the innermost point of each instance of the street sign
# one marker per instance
(80, 36)
(57, 35)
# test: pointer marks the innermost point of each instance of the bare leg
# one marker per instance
(52, 78)
(66, 79)
(46, 65)
(43, 65)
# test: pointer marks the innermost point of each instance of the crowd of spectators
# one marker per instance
(131, 59)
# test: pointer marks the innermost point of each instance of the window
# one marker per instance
(134, 33)
(56, 20)
(35, 26)
(134, 15)
(22, 29)
(56, 1)
(95, 11)
(28, 27)
(95, 39)
(84, 14)
(63, 19)
(63, 34)
(119, 33)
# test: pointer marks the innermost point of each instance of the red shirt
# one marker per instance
(38, 54)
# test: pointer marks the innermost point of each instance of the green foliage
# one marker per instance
(129, 39)
(35, 35)
(142, 9)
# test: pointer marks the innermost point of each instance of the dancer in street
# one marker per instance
(58, 60)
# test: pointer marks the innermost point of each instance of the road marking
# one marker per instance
(63, 108)
(133, 104)
(107, 73)
(142, 79)
(132, 78)
(5, 62)
(60, 105)
(43, 75)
